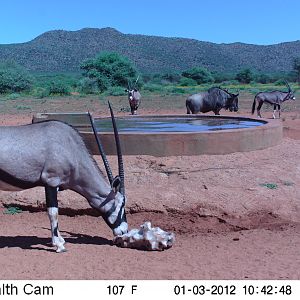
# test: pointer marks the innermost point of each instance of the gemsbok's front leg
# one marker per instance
(52, 208)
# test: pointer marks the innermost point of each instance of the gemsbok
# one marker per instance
(134, 97)
(53, 155)
(275, 98)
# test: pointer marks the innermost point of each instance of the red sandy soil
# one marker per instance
(227, 224)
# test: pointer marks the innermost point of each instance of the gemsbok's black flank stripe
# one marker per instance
(16, 182)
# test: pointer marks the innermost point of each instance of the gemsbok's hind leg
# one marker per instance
(258, 109)
(188, 111)
(52, 208)
(274, 111)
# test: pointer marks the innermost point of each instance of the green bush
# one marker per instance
(200, 75)
(187, 82)
(40, 92)
(296, 67)
(245, 76)
(280, 82)
(176, 90)
(116, 91)
(59, 88)
(263, 78)
(222, 77)
(87, 86)
(13, 96)
(14, 78)
(165, 79)
(153, 87)
(109, 69)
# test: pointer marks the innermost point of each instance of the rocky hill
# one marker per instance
(63, 51)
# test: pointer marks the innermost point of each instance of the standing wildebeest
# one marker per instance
(134, 97)
(274, 97)
(213, 100)
(53, 155)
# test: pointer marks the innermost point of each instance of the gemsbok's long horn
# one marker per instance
(101, 150)
(119, 152)
(136, 81)
(287, 84)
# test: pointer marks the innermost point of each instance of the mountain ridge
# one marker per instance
(63, 51)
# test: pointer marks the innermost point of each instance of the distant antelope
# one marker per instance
(53, 155)
(134, 97)
(276, 98)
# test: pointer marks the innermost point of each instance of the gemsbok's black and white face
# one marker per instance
(117, 218)
(113, 208)
(292, 96)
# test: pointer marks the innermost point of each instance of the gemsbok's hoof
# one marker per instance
(61, 249)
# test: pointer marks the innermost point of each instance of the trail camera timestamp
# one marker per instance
(239, 290)
(204, 290)
(284, 290)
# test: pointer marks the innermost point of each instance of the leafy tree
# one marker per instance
(14, 78)
(109, 69)
(296, 68)
(200, 75)
(244, 76)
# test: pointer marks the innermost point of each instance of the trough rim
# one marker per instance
(183, 143)
(266, 122)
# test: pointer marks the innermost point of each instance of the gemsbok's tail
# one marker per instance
(253, 105)
(187, 105)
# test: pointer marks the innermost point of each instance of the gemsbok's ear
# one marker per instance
(126, 91)
(116, 184)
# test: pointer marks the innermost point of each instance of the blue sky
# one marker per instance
(261, 22)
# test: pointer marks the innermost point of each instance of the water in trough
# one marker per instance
(175, 124)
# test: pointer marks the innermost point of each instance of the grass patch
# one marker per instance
(271, 186)
(12, 210)
(13, 96)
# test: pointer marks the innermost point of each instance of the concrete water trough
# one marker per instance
(167, 135)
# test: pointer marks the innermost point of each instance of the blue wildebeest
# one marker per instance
(276, 98)
(134, 97)
(53, 155)
(214, 100)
